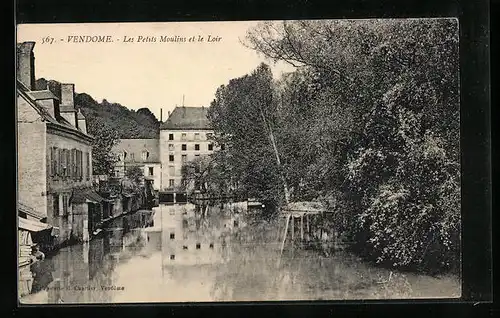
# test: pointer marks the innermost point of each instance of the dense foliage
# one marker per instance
(369, 123)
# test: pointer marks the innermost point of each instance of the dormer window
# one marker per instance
(124, 155)
(145, 155)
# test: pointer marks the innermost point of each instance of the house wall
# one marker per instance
(156, 173)
(80, 216)
(174, 147)
(58, 186)
(31, 159)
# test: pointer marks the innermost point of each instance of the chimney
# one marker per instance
(68, 95)
(25, 65)
(82, 123)
(67, 104)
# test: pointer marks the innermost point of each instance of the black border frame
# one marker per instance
(475, 134)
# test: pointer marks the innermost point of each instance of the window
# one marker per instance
(198, 246)
(171, 182)
(132, 156)
(171, 170)
(210, 147)
(170, 136)
(172, 257)
(145, 155)
(150, 171)
(55, 200)
(171, 147)
(197, 147)
(196, 136)
(236, 223)
(209, 136)
(184, 247)
(124, 155)
(183, 136)
(184, 223)
(212, 245)
(171, 158)
(184, 158)
(184, 147)
(196, 155)
(172, 236)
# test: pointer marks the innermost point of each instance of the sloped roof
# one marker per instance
(32, 97)
(44, 94)
(136, 147)
(22, 207)
(187, 118)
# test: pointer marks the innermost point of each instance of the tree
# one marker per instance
(373, 112)
(135, 174)
(103, 160)
(243, 116)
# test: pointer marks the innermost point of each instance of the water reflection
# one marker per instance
(185, 253)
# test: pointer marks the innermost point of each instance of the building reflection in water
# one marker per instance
(76, 273)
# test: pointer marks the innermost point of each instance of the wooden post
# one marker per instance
(284, 237)
(308, 227)
(302, 227)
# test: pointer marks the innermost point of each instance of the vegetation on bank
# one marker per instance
(368, 123)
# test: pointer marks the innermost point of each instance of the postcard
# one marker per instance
(185, 162)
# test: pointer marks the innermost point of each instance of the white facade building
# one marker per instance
(143, 153)
(184, 136)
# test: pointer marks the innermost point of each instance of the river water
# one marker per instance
(188, 253)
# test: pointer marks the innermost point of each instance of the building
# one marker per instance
(143, 153)
(184, 136)
(190, 238)
(54, 152)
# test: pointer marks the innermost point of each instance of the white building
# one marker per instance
(144, 153)
(184, 136)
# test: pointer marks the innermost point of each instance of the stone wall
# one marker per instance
(31, 167)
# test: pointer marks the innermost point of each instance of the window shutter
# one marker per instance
(68, 162)
(88, 165)
(59, 163)
(79, 164)
(51, 159)
(73, 174)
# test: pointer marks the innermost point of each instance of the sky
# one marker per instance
(145, 74)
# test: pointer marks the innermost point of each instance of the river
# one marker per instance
(188, 253)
